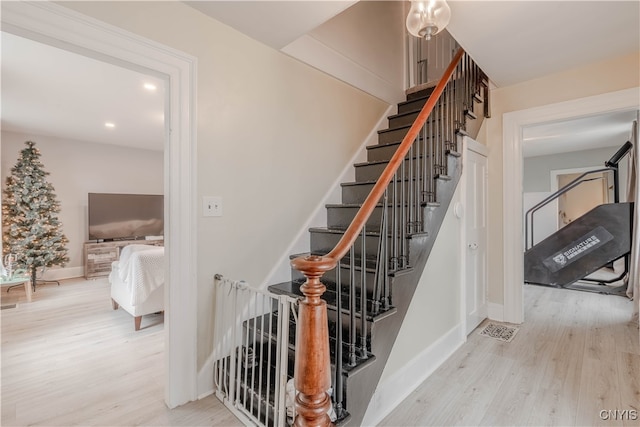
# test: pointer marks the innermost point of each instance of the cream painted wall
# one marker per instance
(273, 134)
(77, 168)
(372, 35)
(435, 307)
(597, 78)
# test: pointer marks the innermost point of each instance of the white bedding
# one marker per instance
(141, 267)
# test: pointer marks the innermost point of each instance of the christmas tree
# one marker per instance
(31, 229)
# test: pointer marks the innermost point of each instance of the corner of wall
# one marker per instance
(391, 392)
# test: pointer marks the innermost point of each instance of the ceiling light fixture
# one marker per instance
(150, 86)
(428, 18)
(109, 125)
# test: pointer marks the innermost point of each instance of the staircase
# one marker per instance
(369, 291)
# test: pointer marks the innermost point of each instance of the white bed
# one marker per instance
(137, 281)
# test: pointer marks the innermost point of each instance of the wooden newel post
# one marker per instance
(312, 374)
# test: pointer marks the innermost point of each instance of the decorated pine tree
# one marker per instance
(31, 229)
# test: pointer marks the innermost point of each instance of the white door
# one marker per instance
(475, 171)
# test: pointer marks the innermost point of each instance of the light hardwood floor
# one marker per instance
(69, 359)
(576, 354)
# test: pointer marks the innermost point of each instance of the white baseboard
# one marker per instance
(495, 311)
(62, 273)
(396, 388)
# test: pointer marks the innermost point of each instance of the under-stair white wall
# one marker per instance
(432, 329)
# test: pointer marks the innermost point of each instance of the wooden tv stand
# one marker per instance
(99, 256)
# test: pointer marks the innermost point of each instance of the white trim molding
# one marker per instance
(495, 311)
(391, 392)
(512, 126)
(460, 211)
(312, 51)
(58, 26)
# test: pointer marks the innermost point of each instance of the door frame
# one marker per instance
(61, 27)
(468, 144)
(513, 124)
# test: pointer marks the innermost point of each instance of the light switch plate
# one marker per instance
(211, 206)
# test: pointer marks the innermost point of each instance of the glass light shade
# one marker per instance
(428, 18)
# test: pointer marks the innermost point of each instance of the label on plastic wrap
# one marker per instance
(578, 248)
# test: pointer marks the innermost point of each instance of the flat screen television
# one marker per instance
(125, 216)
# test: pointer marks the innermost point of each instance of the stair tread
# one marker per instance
(396, 128)
(406, 126)
(380, 162)
(406, 113)
(292, 288)
(409, 101)
(345, 261)
(359, 205)
(340, 231)
(371, 182)
(388, 144)
(336, 230)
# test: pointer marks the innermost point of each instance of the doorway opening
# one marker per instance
(73, 31)
(513, 225)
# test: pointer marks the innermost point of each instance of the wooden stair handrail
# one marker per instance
(312, 372)
(378, 189)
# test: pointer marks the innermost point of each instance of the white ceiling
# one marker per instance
(50, 91)
(54, 92)
(515, 41)
(274, 23)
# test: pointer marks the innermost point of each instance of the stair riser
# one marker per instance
(421, 93)
(325, 242)
(416, 104)
(371, 172)
(377, 153)
(403, 120)
(341, 217)
(358, 193)
(329, 279)
(393, 135)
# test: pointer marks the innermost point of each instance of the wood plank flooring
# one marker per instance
(576, 354)
(69, 359)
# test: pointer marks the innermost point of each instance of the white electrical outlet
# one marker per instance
(211, 206)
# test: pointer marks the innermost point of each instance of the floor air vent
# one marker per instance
(499, 332)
